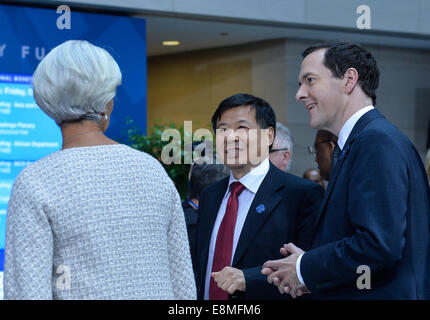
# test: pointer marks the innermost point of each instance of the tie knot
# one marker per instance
(236, 188)
(336, 153)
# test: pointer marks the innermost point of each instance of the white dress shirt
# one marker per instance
(252, 181)
(343, 137)
(349, 125)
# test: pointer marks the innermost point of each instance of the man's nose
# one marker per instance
(232, 135)
(301, 93)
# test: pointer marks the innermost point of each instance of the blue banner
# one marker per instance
(26, 132)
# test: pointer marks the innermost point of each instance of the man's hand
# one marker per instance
(230, 279)
(266, 271)
(282, 272)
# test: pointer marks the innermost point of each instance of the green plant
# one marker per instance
(152, 144)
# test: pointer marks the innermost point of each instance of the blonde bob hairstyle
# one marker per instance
(75, 81)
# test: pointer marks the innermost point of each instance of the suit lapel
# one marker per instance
(333, 177)
(359, 126)
(265, 200)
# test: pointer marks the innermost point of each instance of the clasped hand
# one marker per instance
(282, 273)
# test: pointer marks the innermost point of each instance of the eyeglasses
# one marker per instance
(274, 150)
(313, 150)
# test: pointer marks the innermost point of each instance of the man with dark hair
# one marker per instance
(201, 175)
(245, 218)
(340, 56)
(264, 115)
(324, 146)
(375, 214)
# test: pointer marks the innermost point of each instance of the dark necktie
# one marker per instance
(224, 240)
(334, 158)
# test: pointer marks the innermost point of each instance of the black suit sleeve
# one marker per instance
(257, 287)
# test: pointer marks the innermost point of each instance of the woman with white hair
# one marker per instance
(97, 219)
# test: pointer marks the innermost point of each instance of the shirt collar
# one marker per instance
(349, 125)
(253, 179)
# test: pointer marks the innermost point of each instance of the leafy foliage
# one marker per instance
(153, 145)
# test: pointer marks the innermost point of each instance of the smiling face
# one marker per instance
(322, 94)
(237, 132)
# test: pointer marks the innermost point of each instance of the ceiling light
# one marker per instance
(171, 43)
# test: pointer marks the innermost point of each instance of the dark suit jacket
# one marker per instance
(291, 204)
(375, 212)
(191, 221)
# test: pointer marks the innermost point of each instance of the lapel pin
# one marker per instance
(260, 208)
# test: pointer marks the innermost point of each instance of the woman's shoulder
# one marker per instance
(69, 162)
(138, 156)
(111, 152)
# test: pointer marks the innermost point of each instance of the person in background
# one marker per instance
(97, 219)
(202, 174)
(281, 154)
(324, 145)
(314, 176)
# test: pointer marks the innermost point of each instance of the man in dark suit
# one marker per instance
(245, 218)
(372, 235)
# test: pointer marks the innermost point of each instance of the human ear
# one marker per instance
(287, 156)
(271, 135)
(351, 79)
